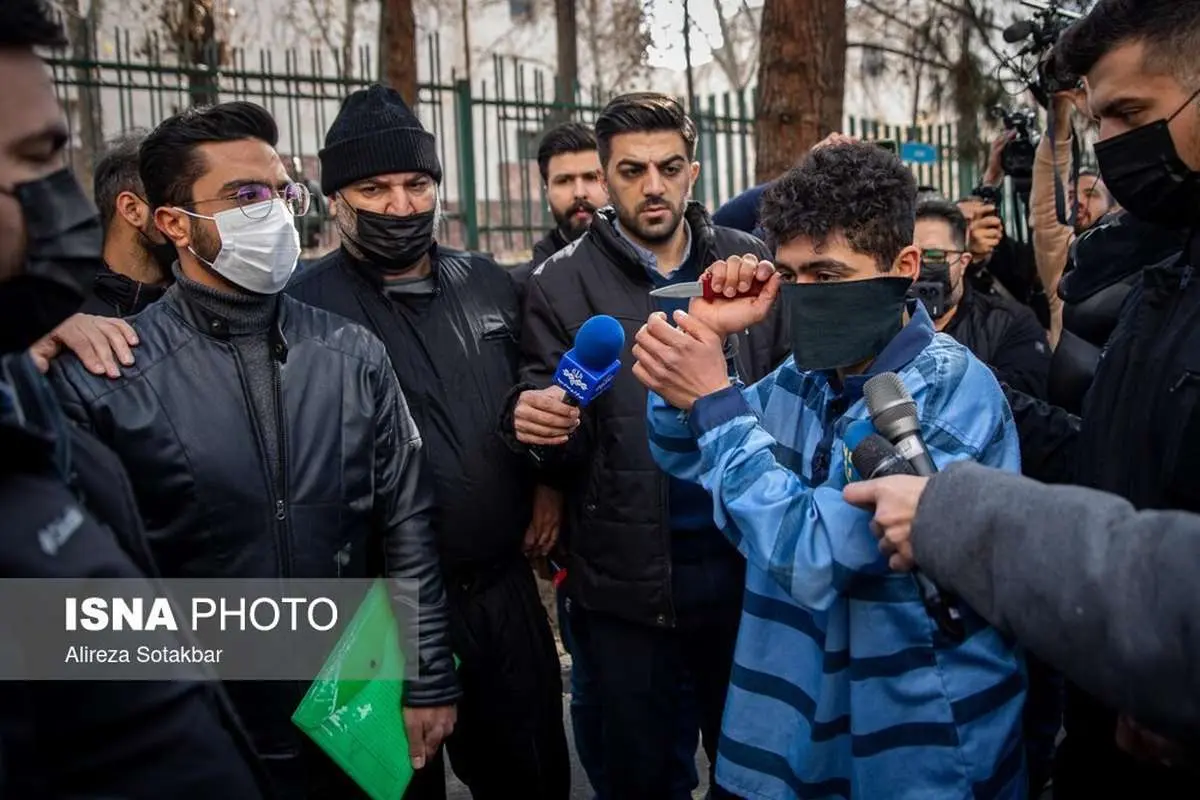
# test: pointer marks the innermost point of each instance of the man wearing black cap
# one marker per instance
(450, 322)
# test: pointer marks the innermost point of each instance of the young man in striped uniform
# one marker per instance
(842, 685)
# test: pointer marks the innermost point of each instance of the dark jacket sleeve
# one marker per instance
(404, 504)
(544, 340)
(1023, 358)
(1048, 437)
(1096, 589)
(741, 212)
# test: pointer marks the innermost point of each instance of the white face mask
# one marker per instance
(259, 246)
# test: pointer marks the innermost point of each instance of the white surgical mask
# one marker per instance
(259, 247)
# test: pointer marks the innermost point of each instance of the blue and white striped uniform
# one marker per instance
(842, 686)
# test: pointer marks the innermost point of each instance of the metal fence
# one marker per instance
(487, 128)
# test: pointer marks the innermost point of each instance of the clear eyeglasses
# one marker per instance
(252, 199)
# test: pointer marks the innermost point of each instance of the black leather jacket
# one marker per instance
(355, 499)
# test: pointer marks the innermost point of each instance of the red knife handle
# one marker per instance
(756, 288)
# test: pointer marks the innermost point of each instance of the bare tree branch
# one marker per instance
(882, 48)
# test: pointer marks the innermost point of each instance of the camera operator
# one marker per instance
(1088, 197)
(1140, 432)
(1001, 264)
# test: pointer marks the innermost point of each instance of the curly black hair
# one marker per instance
(856, 190)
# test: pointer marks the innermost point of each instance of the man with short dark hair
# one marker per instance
(574, 187)
(1001, 333)
(1091, 199)
(1140, 432)
(138, 257)
(315, 465)
(450, 322)
(841, 684)
(66, 504)
(654, 588)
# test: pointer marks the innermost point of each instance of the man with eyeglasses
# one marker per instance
(1001, 333)
(266, 439)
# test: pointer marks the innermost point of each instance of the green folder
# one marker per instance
(359, 723)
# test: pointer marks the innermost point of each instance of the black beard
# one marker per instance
(568, 226)
(632, 222)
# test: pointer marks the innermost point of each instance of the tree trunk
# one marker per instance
(82, 31)
(801, 80)
(568, 60)
(203, 51)
(398, 48)
(349, 31)
(593, 13)
(966, 97)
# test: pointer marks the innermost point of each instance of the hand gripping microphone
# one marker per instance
(894, 413)
(590, 367)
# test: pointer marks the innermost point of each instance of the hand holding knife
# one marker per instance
(703, 288)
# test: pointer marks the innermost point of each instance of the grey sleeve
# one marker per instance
(1098, 590)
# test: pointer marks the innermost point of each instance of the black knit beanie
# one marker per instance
(375, 133)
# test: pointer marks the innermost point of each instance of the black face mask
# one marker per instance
(1144, 173)
(933, 288)
(841, 324)
(391, 243)
(64, 242)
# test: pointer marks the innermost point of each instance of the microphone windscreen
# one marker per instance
(1018, 31)
(872, 452)
(599, 343)
(889, 402)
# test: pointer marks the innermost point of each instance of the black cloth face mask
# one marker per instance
(390, 243)
(63, 255)
(1144, 173)
(843, 323)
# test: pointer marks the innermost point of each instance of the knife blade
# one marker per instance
(702, 288)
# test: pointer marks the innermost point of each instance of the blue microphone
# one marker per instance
(590, 367)
(856, 432)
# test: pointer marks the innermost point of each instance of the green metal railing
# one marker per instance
(486, 128)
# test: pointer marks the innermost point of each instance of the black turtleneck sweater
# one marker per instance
(250, 317)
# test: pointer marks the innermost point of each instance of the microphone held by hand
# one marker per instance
(590, 367)
(894, 413)
(874, 458)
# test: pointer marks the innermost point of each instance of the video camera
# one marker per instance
(1040, 32)
(1018, 155)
